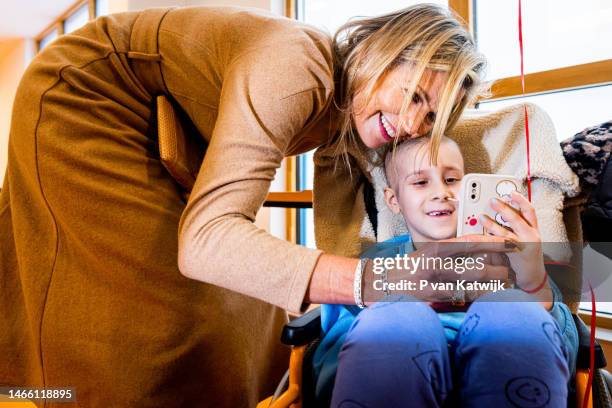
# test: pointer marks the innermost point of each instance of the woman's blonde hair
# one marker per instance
(424, 35)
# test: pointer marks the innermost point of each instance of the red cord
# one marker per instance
(587, 393)
(520, 30)
(539, 287)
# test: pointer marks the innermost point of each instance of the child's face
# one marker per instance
(422, 192)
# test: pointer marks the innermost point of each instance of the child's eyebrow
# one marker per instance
(414, 173)
(422, 171)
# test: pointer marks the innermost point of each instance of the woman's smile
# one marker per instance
(387, 130)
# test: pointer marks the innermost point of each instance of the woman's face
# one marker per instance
(377, 121)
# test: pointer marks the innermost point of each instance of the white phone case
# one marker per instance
(476, 193)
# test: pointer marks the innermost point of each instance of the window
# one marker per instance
(570, 110)
(47, 38)
(595, 261)
(556, 33)
(305, 216)
(72, 19)
(330, 15)
(77, 19)
(102, 7)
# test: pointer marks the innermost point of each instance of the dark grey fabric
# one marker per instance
(588, 154)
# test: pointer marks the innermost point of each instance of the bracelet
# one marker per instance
(385, 281)
(357, 282)
(538, 288)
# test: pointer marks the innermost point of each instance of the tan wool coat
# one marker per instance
(93, 228)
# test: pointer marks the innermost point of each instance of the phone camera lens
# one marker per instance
(473, 196)
(474, 185)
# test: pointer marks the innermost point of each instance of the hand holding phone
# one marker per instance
(475, 196)
(510, 216)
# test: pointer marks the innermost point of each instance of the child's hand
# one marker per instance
(528, 261)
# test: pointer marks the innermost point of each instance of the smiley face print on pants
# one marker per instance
(527, 392)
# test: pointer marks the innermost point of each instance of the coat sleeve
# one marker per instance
(261, 109)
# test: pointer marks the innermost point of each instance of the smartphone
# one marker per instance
(475, 196)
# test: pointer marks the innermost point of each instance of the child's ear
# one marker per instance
(391, 200)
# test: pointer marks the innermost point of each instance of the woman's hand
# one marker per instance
(528, 261)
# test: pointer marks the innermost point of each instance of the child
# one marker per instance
(404, 354)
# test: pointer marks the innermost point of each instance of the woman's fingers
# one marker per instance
(469, 244)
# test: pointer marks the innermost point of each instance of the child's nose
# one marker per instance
(443, 197)
(443, 193)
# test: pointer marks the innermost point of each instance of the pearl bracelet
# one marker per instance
(357, 283)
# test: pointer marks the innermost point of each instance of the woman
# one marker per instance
(94, 230)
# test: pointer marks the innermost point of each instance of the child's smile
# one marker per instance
(441, 213)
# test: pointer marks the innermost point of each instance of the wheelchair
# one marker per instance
(296, 389)
(181, 154)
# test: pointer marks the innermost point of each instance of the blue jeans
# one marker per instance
(507, 354)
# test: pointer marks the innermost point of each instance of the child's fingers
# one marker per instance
(526, 208)
(513, 217)
(494, 228)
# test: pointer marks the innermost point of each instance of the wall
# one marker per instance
(15, 55)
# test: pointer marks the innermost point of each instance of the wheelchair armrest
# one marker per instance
(584, 347)
(303, 330)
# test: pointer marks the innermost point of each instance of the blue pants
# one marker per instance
(505, 355)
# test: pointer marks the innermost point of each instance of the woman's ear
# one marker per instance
(391, 200)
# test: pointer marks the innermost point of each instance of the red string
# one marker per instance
(538, 288)
(587, 393)
(520, 32)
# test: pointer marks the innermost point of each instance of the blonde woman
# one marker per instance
(96, 243)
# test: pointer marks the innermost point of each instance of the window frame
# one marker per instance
(290, 199)
(602, 320)
(559, 79)
(58, 22)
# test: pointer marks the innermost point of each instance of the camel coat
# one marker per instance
(93, 229)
